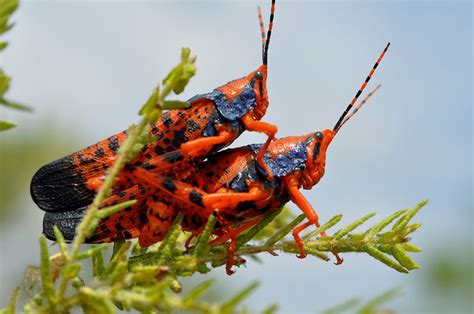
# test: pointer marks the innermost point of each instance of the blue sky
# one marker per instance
(86, 67)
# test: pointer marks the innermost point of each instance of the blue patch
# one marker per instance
(234, 109)
(214, 119)
(214, 96)
(284, 164)
(210, 130)
(239, 183)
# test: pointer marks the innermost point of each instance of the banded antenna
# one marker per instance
(361, 88)
(266, 40)
(357, 108)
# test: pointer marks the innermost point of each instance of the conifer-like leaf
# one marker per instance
(7, 7)
(4, 125)
(232, 303)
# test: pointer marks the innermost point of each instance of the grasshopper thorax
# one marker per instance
(256, 84)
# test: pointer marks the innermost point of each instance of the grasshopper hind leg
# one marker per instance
(160, 216)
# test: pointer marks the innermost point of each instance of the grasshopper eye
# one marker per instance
(319, 135)
(258, 75)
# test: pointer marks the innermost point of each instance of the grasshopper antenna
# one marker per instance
(357, 108)
(262, 28)
(338, 124)
(269, 34)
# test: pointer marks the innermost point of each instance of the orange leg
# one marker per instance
(222, 238)
(298, 240)
(190, 195)
(298, 198)
(165, 163)
(230, 252)
(194, 234)
(264, 127)
(187, 244)
(160, 216)
(231, 233)
(202, 146)
(180, 194)
(219, 201)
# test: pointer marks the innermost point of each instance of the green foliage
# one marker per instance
(390, 248)
(175, 81)
(370, 307)
(7, 7)
(4, 125)
(20, 156)
(148, 279)
(11, 308)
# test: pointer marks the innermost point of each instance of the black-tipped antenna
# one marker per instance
(361, 88)
(357, 108)
(269, 34)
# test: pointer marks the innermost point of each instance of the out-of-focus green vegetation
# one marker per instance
(446, 273)
(447, 280)
(7, 8)
(373, 306)
(20, 157)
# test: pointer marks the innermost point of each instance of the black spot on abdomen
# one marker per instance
(173, 157)
(196, 198)
(169, 185)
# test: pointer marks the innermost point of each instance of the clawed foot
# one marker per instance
(228, 270)
(339, 260)
(301, 255)
(236, 261)
(187, 244)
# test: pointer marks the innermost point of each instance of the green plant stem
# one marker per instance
(355, 244)
(84, 227)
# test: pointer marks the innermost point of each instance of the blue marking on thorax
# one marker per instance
(284, 164)
(234, 109)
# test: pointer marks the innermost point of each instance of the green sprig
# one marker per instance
(46, 279)
(230, 305)
(7, 8)
(202, 242)
(249, 235)
(285, 230)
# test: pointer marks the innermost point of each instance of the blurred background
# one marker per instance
(87, 66)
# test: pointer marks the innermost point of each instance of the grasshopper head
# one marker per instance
(259, 82)
(256, 81)
(316, 163)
